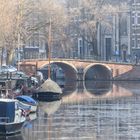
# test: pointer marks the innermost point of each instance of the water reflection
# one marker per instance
(92, 89)
(41, 128)
(29, 119)
(50, 107)
(83, 114)
(98, 87)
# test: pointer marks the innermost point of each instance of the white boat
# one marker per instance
(27, 103)
(11, 117)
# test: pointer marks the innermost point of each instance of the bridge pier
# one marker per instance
(80, 73)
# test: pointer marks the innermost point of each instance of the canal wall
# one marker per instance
(131, 75)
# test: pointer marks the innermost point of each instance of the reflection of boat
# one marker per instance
(32, 116)
(29, 119)
(98, 87)
(12, 137)
(50, 107)
(11, 116)
(27, 102)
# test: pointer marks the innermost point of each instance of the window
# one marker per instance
(133, 43)
(133, 20)
(138, 42)
(137, 1)
(123, 26)
(138, 19)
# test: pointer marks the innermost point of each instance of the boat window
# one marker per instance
(2, 83)
(19, 83)
(21, 99)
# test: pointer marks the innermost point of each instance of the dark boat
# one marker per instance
(46, 96)
(12, 137)
(48, 91)
(11, 117)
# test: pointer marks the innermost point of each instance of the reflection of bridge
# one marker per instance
(90, 69)
(85, 90)
(77, 96)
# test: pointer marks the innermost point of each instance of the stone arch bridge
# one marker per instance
(88, 69)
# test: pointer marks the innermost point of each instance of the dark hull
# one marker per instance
(10, 128)
(12, 137)
(46, 96)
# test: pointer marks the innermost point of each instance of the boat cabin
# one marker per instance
(8, 110)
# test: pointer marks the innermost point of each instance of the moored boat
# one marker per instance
(11, 117)
(48, 91)
(27, 102)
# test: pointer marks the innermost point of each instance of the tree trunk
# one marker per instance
(10, 56)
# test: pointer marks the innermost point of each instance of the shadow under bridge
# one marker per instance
(70, 72)
(97, 72)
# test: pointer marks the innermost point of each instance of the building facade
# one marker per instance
(112, 42)
(135, 27)
(120, 41)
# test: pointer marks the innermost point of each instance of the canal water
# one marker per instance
(88, 111)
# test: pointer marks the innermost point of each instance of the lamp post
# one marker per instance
(49, 51)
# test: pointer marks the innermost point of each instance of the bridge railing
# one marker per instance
(82, 60)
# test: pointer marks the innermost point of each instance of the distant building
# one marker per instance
(135, 27)
(115, 43)
(119, 42)
(112, 41)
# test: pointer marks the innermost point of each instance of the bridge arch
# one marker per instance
(97, 72)
(70, 70)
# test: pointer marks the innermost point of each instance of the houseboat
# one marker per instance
(12, 117)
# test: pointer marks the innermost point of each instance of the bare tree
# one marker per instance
(13, 19)
(20, 20)
(87, 18)
(54, 11)
(6, 23)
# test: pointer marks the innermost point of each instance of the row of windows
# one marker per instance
(136, 31)
(136, 43)
(136, 1)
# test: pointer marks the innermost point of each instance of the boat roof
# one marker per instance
(7, 100)
(26, 98)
